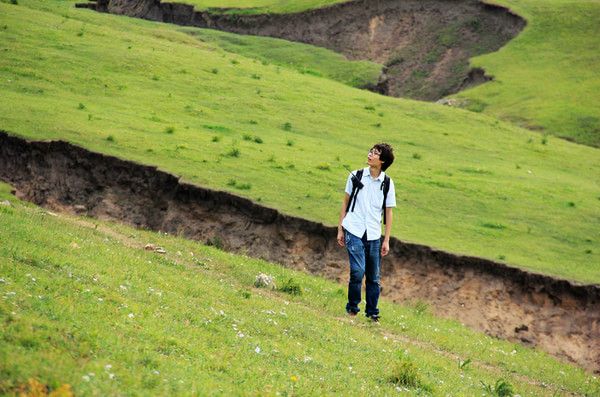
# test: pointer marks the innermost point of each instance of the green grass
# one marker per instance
(138, 79)
(548, 77)
(82, 303)
(304, 58)
(260, 6)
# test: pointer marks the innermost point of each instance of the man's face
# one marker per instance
(373, 158)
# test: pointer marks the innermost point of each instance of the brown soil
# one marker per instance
(558, 316)
(425, 44)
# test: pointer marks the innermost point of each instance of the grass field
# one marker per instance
(147, 92)
(547, 79)
(83, 304)
(304, 58)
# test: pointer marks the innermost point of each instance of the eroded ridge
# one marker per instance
(425, 45)
(560, 317)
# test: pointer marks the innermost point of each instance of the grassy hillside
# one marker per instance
(306, 59)
(261, 6)
(547, 79)
(83, 304)
(147, 92)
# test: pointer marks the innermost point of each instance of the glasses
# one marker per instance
(375, 152)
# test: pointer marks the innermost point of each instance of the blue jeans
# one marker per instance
(365, 258)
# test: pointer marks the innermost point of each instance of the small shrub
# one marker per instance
(501, 389)
(81, 106)
(380, 114)
(215, 71)
(476, 106)
(463, 364)
(233, 152)
(155, 78)
(544, 140)
(215, 242)
(291, 287)
(256, 76)
(571, 204)
(502, 257)
(247, 137)
(287, 126)
(216, 138)
(258, 139)
(377, 125)
(491, 225)
(169, 130)
(80, 33)
(416, 156)
(405, 373)
(235, 62)
(90, 117)
(246, 294)
(420, 308)
(369, 107)
(271, 158)
(324, 166)
(290, 142)
(110, 138)
(243, 186)
(253, 122)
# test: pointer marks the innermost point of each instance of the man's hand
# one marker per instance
(340, 238)
(385, 248)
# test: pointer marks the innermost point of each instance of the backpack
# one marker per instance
(357, 185)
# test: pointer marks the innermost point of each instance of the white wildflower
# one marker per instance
(107, 367)
(85, 378)
(257, 350)
(111, 376)
(131, 315)
(100, 300)
(122, 287)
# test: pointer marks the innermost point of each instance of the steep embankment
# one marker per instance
(559, 317)
(425, 45)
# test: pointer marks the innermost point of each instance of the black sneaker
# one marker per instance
(375, 318)
(351, 313)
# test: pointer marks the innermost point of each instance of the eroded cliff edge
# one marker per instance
(560, 317)
(425, 45)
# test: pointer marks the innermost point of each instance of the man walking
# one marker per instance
(369, 193)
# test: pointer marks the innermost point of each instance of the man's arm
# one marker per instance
(389, 217)
(340, 234)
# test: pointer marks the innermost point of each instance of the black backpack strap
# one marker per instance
(356, 186)
(385, 186)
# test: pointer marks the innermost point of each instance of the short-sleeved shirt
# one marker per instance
(368, 209)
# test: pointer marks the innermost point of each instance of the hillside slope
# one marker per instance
(85, 305)
(146, 92)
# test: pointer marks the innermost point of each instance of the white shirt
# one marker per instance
(367, 211)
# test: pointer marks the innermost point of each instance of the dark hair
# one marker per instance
(387, 154)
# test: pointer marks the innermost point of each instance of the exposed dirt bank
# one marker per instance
(558, 316)
(425, 44)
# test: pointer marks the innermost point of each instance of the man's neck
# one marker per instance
(374, 171)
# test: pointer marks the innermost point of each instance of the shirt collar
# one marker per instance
(379, 178)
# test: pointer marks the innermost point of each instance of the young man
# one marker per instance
(359, 227)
